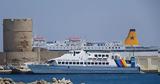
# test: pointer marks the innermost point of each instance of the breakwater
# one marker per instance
(52, 81)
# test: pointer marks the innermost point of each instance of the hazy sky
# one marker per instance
(103, 20)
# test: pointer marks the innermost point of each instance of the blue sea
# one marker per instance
(90, 78)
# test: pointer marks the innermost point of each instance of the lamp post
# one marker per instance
(133, 49)
(6, 58)
(39, 58)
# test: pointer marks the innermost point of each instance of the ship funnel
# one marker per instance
(131, 39)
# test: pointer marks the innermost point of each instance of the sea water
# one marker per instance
(90, 78)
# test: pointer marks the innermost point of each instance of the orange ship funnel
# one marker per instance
(131, 39)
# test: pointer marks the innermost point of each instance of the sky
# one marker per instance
(94, 20)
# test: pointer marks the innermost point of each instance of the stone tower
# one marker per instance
(17, 35)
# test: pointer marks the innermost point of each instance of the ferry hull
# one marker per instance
(81, 69)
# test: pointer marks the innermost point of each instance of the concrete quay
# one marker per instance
(149, 63)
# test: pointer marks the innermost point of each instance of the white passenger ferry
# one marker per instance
(87, 62)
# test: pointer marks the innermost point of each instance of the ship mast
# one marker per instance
(38, 54)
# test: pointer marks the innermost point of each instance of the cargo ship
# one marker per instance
(81, 61)
(130, 46)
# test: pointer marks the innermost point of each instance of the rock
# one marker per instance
(39, 82)
(20, 83)
(62, 81)
(8, 79)
(7, 82)
(1, 79)
(69, 82)
(54, 80)
(1, 82)
(82, 83)
(35, 82)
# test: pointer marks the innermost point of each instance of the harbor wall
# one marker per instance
(18, 58)
(2, 58)
(44, 56)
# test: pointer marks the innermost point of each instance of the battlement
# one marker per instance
(16, 20)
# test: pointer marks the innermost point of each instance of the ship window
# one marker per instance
(116, 57)
(112, 47)
(85, 63)
(59, 62)
(51, 61)
(92, 62)
(107, 63)
(96, 63)
(74, 62)
(112, 57)
(100, 63)
(66, 62)
(115, 47)
(77, 62)
(103, 63)
(128, 61)
(77, 52)
(95, 55)
(62, 62)
(104, 58)
(99, 55)
(70, 62)
(102, 55)
(88, 62)
(81, 62)
(94, 58)
(107, 56)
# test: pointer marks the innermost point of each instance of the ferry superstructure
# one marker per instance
(129, 47)
(87, 62)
